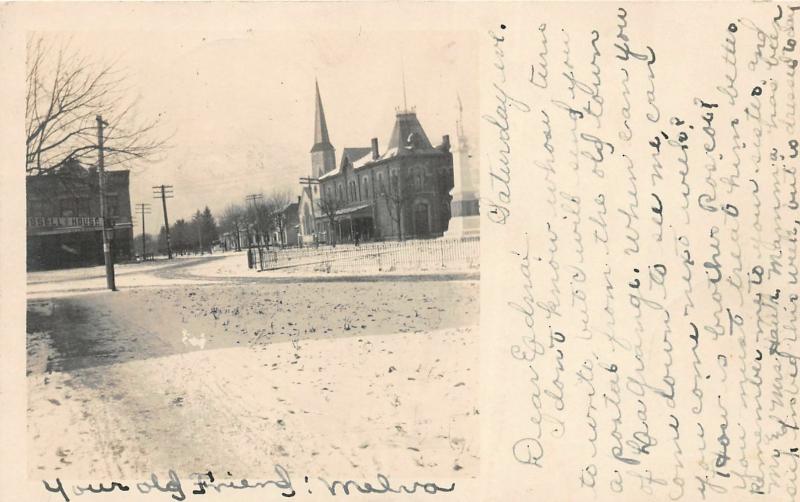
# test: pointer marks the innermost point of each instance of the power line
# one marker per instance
(230, 181)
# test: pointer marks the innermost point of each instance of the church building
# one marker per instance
(402, 192)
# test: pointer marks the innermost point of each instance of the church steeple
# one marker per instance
(321, 138)
(323, 155)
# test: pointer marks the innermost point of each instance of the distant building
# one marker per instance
(235, 240)
(64, 224)
(402, 192)
(287, 229)
(308, 213)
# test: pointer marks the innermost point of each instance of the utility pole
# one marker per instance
(143, 209)
(107, 256)
(238, 232)
(200, 234)
(309, 182)
(164, 192)
(253, 197)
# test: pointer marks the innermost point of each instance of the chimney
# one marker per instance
(374, 148)
(446, 142)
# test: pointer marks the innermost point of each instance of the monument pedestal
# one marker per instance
(465, 218)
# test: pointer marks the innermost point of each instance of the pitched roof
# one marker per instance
(321, 139)
(351, 154)
(354, 154)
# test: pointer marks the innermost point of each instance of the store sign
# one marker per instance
(43, 225)
(82, 222)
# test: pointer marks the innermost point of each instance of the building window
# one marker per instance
(365, 186)
(380, 183)
(341, 192)
(112, 205)
(67, 207)
(83, 206)
(38, 207)
(421, 219)
(353, 190)
(417, 179)
(48, 208)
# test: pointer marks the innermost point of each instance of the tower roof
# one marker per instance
(408, 134)
(321, 139)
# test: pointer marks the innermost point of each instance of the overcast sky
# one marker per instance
(241, 105)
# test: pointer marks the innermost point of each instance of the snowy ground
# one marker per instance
(190, 370)
(46, 284)
(209, 269)
(234, 264)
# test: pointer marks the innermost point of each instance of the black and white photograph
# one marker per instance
(252, 256)
(399, 251)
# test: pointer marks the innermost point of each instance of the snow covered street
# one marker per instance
(339, 377)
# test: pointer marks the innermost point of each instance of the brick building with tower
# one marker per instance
(400, 192)
(63, 217)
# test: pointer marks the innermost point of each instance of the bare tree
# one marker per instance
(279, 198)
(231, 222)
(265, 211)
(270, 211)
(65, 91)
(329, 206)
(397, 198)
(277, 202)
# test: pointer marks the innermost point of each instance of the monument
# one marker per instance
(464, 210)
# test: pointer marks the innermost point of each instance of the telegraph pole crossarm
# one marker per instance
(143, 209)
(164, 192)
(253, 197)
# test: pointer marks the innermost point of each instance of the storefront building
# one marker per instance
(64, 227)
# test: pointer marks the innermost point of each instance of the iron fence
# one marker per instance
(422, 255)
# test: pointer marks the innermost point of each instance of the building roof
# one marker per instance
(330, 174)
(322, 140)
(349, 154)
(353, 208)
(407, 138)
(408, 134)
(294, 206)
(354, 154)
(73, 175)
